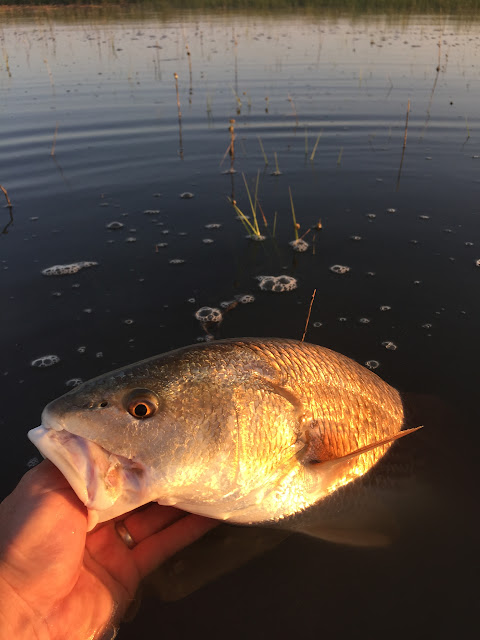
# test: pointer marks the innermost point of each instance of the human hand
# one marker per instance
(57, 581)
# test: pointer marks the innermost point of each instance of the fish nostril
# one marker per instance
(104, 404)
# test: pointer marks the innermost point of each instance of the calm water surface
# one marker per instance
(329, 96)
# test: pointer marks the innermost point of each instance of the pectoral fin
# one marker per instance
(354, 454)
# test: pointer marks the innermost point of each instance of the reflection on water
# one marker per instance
(98, 169)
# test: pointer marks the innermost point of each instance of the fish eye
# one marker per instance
(142, 404)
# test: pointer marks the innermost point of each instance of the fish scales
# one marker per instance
(247, 430)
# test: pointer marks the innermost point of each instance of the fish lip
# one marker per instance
(49, 422)
(108, 484)
(45, 438)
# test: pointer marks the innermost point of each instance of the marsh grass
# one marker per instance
(308, 315)
(252, 229)
(315, 147)
(5, 193)
(263, 150)
(54, 143)
(231, 148)
(296, 226)
(277, 171)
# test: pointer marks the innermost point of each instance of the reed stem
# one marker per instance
(308, 316)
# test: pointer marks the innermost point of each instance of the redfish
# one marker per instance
(243, 430)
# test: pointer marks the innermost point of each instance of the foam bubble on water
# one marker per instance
(424, 217)
(385, 307)
(317, 325)
(151, 212)
(115, 225)
(245, 298)
(278, 284)
(208, 314)
(213, 225)
(342, 319)
(176, 261)
(388, 344)
(33, 462)
(299, 245)
(477, 262)
(73, 382)
(81, 349)
(45, 361)
(131, 239)
(372, 216)
(187, 195)
(227, 303)
(391, 210)
(207, 241)
(469, 244)
(427, 325)
(162, 245)
(356, 238)
(128, 321)
(372, 364)
(257, 237)
(67, 269)
(191, 300)
(364, 320)
(339, 268)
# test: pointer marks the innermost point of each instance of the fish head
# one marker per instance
(185, 429)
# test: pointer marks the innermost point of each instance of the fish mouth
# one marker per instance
(108, 484)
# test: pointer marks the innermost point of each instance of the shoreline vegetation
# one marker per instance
(328, 6)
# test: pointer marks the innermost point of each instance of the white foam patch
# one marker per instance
(45, 361)
(299, 245)
(245, 299)
(388, 344)
(67, 269)
(339, 268)
(278, 284)
(209, 314)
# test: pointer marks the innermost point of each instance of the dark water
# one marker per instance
(407, 229)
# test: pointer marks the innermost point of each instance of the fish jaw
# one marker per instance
(107, 484)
